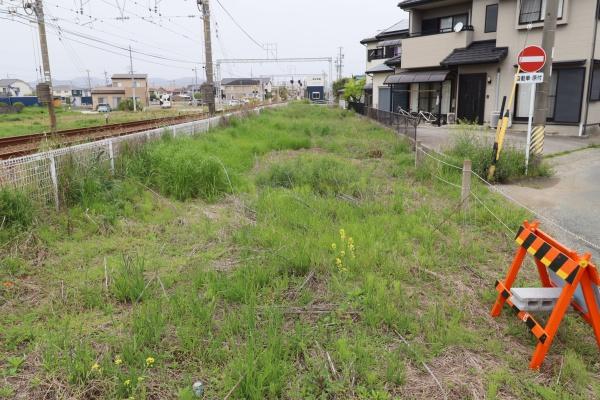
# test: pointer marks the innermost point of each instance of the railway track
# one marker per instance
(16, 146)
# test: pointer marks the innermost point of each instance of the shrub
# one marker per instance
(18, 106)
(128, 281)
(127, 105)
(16, 209)
(510, 166)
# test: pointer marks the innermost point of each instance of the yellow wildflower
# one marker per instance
(127, 382)
(342, 234)
(95, 367)
(149, 361)
(342, 253)
(118, 360)
(140, 379)
(333, 246)
(338, 261)
(350, 241)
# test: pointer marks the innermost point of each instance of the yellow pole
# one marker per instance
(502, 127)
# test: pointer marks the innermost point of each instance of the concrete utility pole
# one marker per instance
(106, 78)
(340, 64)
(209, 88)
(195, 86)
(542, 90)
(39, 12)
(132, 79)
(89, 81)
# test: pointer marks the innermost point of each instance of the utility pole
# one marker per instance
(195, 85)
(132, 79)
(89, 80)
(106, 78)
(340, 64)
(209, 88)
(542, 90)
(39, 12)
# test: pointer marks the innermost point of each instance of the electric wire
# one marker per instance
(240, 26)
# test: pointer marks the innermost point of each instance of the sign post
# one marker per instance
(531, 60)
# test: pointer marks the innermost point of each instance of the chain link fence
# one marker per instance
(39, 174)
(402, 124)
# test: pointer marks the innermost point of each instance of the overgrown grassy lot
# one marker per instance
(35, 119)
(293, 255)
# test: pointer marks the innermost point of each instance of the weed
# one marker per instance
(128, 282)
(511, 165)
(16, 210)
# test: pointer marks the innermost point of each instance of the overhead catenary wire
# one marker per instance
(256, 42)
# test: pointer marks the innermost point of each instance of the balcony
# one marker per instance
(426, 51)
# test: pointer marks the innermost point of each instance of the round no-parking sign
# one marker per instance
(532, 59)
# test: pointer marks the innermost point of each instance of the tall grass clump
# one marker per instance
(128, 281)
(511, 165)
(178, 169)
(325, 175)
(16, 210)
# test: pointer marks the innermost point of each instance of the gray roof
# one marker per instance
(417, 77)
(7, 82)
(244, 81)
(399, 27)
(481, 52)
(128, 76)
(413, 3)
(108, 89)
(379, 68)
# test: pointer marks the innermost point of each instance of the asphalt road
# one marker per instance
(570, 198)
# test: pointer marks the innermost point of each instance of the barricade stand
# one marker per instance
(561, 272)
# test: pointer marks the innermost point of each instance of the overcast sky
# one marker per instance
(311, 28)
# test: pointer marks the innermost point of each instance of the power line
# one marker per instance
(239, 26)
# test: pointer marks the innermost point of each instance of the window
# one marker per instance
(315, 95)
(392, 51)
(443, 24)
(429, 97)
(533, 11)
(564, 98)
(595, 91)
(491, 18)
(375, 54)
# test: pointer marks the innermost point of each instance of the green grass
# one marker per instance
(35, 119)
(470, 145)
(297, 274)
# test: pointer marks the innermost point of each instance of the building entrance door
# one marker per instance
(471, 97)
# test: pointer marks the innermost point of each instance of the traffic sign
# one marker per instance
(532, 59)
(530, 77)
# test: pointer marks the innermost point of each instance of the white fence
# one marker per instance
(38, 174)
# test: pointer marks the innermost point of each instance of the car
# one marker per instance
(103, 108)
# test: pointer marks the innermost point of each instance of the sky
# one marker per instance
(168, 43)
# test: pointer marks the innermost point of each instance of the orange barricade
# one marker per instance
(558, 267)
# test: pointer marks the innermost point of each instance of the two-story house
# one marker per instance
(383, 53)
(461, 58)
(122, 88)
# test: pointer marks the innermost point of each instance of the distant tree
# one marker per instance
(353, 90)
(339, 85)
(18, 106)
(153, 96)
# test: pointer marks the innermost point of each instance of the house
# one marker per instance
(315, 89)
(383, 54)
(460, 59)
(14, 88)
(122, 88)
(81, 97)
(62, 91)
(245, 88)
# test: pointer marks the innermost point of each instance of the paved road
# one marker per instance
(441, 138)
(571, 198)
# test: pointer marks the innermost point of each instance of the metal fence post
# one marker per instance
(418, 155)
(54, 178)
(466, 185)
(111, 156)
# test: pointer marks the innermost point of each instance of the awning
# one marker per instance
(380, 68)
(368, 86)
(417, 77)
(393, 42)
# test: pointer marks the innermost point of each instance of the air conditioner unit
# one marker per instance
(451, 118)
